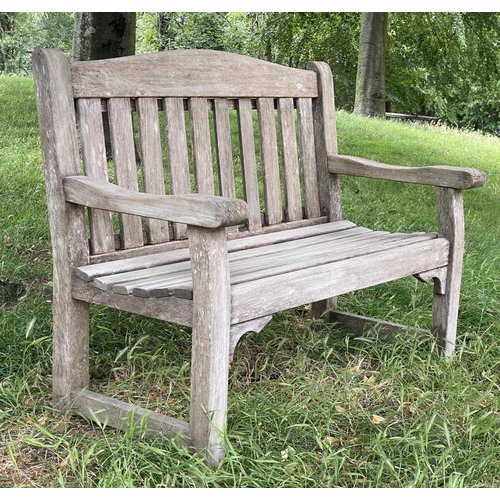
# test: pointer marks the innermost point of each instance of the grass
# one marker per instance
(309, 406)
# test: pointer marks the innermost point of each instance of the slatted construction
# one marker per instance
(253, 144)
(191, 125)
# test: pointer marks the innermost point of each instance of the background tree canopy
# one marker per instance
(445, 64)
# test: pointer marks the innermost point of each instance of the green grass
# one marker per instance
(309, 406)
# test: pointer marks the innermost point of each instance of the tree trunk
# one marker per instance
(370, 81)
(102, 35)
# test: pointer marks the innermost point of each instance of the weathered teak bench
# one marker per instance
(199, 256)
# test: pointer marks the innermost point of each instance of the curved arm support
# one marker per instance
(193, 209)
(439, 176)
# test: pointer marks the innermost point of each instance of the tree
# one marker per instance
(370, 81)
(102, 35)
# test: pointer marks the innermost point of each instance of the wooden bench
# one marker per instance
(187, 250)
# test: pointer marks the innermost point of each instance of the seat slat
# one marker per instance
(122, 140)
(291, 177)
(151, 162)
(311, 244)
(92, 271)
(284, 291)
(177, 153)
(276, 264)
(252, 264)
(95, 165)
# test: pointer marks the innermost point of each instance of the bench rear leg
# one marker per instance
(70, 359)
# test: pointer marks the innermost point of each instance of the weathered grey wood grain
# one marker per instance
(269, 160)
(171, 309)
(172, 277)
(151, 162)
(201, 146)
(308, 158)
(92, 271)
(249, 163)
(118, 414)
(211, 334)
(289, 151)
(197, 73)
(223, 147)
(221, 283)
(95, 164)
(325, 138)
(281, 292)
(237, 331)
(59, 142)
(325, 135)
(450, 214)
(196, 209)
(177, 152)
(443, 176)
(123, 147)
(386, 330)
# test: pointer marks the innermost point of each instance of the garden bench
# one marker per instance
(159, 230)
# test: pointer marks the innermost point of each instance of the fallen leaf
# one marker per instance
(376, 419)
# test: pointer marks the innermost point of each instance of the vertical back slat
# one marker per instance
(200, 145)
(95, 164)
(269, 159)
(177, 153)
(308, 157)
(123, 147)
(249, 163)
(223, 147)
(291, 177)
(151, 162)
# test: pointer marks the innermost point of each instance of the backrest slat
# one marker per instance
(308, 157)
(95, 165)
(208, 122)
(269, 159)
(177, 153)
(200, 145)
(223, 147)
(249, 163)
(123, 146)
(151, 162)
(291, 177)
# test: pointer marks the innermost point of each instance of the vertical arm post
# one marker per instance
(450, 214)
(211, 339)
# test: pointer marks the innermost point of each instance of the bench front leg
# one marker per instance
(211, 340)
(450, 215)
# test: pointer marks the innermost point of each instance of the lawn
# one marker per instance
(308, 406)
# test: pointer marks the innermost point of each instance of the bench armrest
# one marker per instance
(193, 209)
(442, 176)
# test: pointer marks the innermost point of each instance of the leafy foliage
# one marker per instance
(21, 32)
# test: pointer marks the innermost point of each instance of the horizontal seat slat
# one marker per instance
(92, 271)
(254, 263)
(311, 243)
(276, 264)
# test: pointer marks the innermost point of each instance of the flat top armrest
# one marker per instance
(443, 176)
(193, 209)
